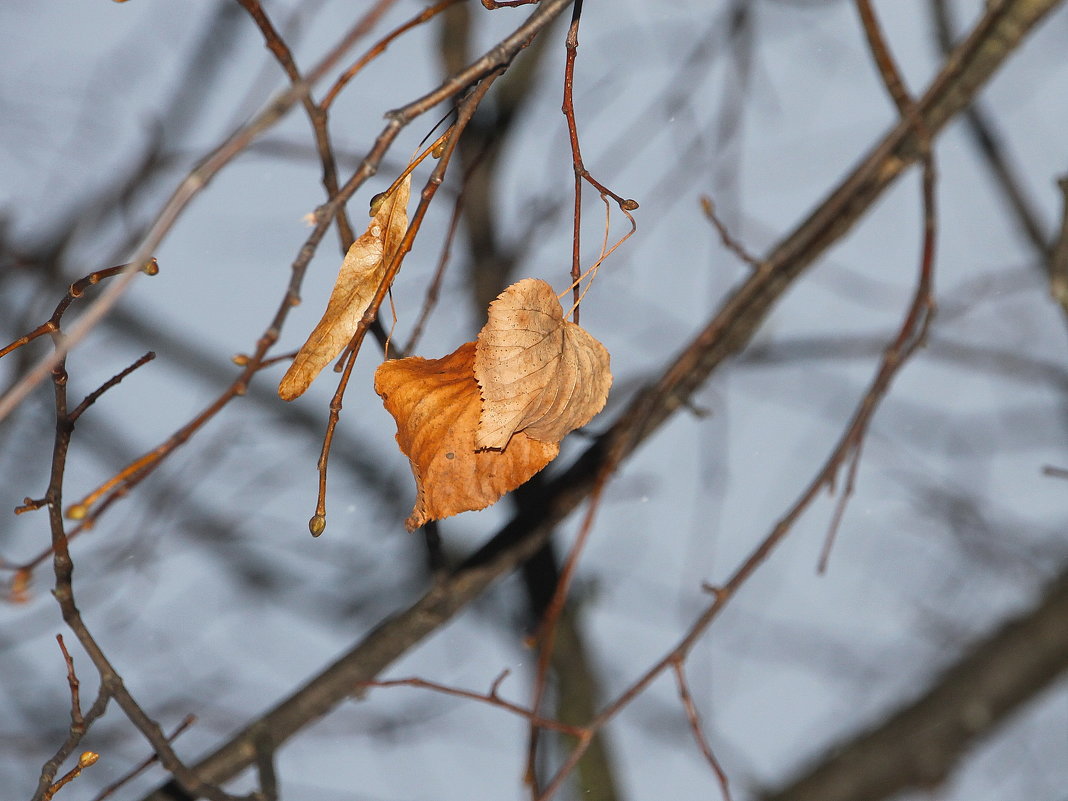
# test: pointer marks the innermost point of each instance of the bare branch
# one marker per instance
(920, 744)
(698, 733)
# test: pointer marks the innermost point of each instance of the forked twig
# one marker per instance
(111, 684)
(581, 173)
(729, 242)
(695, 726)
(912, 334)
(492, 698)
(74, 292)
(146, 763)
(380, 47)
(85, 760)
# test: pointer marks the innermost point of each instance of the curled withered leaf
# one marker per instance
(436, 405)
(539, 374)
(357, 281)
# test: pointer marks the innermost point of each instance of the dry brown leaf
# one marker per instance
(539, 374)
(436, 405)
(357, 281)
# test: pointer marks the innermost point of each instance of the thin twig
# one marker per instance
(581, 173)
(729, 242)
(380, 47)
(111, 682)
(494, 4)
(317, 113)
(114, 381)
(75, 291)
(77, 720)
(491, 698)
(85, 760)
(694, 720)
(434, 287)
(74, 737)
(146, 763)
(993, 152)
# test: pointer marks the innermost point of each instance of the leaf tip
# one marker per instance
(293, 384)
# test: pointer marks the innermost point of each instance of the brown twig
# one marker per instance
(494, 4)
(982, 129)
(729, 242)
(581, 173)
(265, 769)
(114, 381)
(318, 117)
(77, 720)
(694, 720)
(74, 737)
(111, 683)
(909, 339)
(892, 80)
(85, 523)
(76, 290)
(380, 47)
(85, 760)
(491, 698)
(52, 326)
(317, 112)
(148, 762)
(913, 331)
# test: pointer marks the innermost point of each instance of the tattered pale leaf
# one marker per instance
(436, 405)
(539, 374)
(357, 281)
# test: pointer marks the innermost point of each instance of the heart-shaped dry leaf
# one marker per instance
(539, 374)
(357, 281)
(436, 405)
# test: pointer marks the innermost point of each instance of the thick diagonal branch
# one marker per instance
(919, 745)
